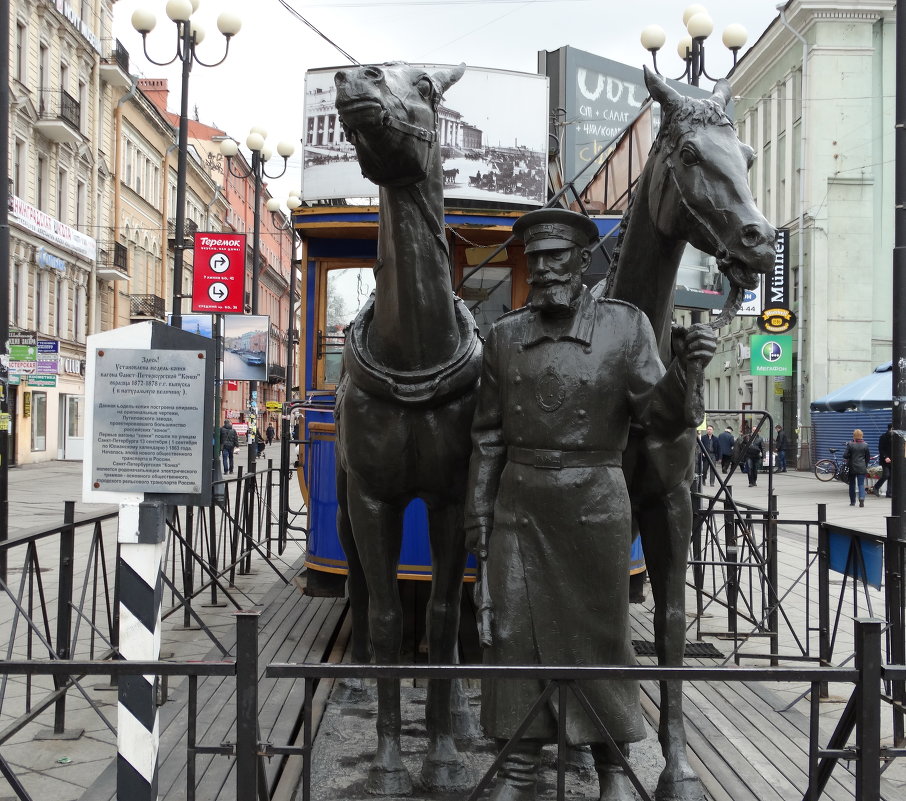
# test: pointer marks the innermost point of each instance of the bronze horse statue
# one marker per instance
(404, 405)
(693, 189)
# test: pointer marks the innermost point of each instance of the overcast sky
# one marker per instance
(261, 82)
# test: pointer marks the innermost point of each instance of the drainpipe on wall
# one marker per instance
(800, 283)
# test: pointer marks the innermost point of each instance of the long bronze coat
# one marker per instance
(560, 538)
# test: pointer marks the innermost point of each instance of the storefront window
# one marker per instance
(39, 421)
(347, 290)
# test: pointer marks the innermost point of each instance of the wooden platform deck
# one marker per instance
(292, 628)
(742, 743)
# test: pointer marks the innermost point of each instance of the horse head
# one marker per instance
(389, 113)
(699, 189)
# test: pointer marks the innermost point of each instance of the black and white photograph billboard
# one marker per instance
(492, 130)
(245, 341)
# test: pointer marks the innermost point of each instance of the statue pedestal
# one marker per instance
(346, 741)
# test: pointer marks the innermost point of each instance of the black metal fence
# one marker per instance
(78, 617)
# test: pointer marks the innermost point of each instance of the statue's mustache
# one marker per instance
(547, 280)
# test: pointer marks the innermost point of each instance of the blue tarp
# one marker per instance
(874, 391)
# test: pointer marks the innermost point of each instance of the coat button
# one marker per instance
(583, 520)
(517, 408)
(517, 379)
(523, 521)
(581, 413)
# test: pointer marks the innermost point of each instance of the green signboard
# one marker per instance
(42, 380)
(771, 355)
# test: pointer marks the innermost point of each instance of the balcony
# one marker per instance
(146, 307)
(113, 263)
(59, 117)
(115, 65)
(276, 374)
(188, 239)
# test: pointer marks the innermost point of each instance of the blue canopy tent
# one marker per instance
(874, 391)
(866, 404)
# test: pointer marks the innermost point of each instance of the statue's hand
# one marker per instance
(698, 343)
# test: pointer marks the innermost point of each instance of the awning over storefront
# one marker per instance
(874, 391)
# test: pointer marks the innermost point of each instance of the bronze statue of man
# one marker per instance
(547, 509)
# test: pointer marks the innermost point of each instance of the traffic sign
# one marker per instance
(218, 280)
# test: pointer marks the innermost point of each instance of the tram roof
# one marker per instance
(360, 222)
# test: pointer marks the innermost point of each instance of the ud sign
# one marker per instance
(771, 355)
(218, 278)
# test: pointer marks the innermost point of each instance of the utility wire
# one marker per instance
(326, 38)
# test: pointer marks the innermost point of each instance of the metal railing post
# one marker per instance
(247, 705)
(63, 645)
(698, 569)
(894, 550)
(824, 641)
(773, 579)
(868, 708)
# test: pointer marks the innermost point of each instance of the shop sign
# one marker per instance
(771, 355)
(274, 406)
(48, 357)
(49, 261)
(776, 320)
(42, 380)
(23, 352)
(218, 273)
(38, 222)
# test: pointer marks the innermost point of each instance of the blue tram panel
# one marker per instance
(324, 551)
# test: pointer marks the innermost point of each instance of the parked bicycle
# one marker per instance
(829, 469)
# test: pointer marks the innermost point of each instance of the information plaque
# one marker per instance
(149, 421)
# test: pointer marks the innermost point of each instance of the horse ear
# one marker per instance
(721, 94)
(666, 95)
(444, 79)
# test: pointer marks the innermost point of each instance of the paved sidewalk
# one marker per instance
(59, 768)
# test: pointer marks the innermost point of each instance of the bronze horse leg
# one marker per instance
(444, 768)
(665, 525)
(378, 530)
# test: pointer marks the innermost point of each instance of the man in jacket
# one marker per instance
(547, 509)
(726, 440)
(229, 441)
(710, 455)
(885, 454)
(780, 444)
(754, 456)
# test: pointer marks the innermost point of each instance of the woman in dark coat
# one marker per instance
(856, 457)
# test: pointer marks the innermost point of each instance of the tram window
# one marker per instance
(347, 290)
(488, 294)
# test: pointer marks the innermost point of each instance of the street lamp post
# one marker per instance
(257, 171)
(691, 48)
(188, 36)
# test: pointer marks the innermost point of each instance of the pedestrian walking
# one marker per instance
(710, 455)
(780, 445)
(856, 457)
(885, 452)
(270, 433)
(725, 442)
(754, 456)
(229, 441)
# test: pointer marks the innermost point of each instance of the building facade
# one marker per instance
(814, 97)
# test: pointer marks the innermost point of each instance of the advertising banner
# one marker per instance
(492, 130)
(218, 274)
(771, 355)
(245, 347)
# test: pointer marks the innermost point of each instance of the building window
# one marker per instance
(20, 296)
(41, 301)
(21, 51)
(81, 202)
(18, 175)
(41, 184)
(78, 314)
(64, 76)
(62, 302)
(43, 61)
(39, 421)
(83, 106)
(63, 196)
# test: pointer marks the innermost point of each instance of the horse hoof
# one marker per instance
(688, 788)
(388, 781)
(350, 691)
(446, 775)
(465, 727)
